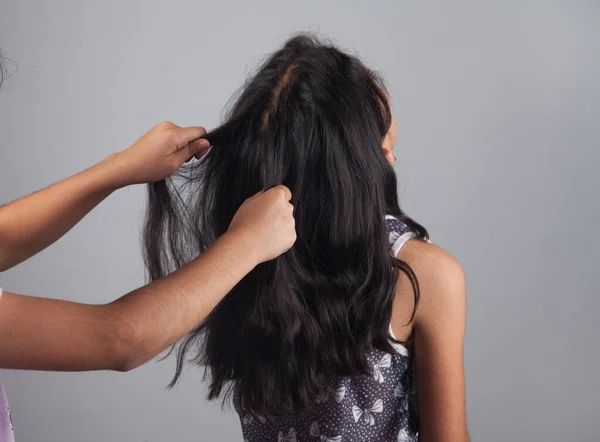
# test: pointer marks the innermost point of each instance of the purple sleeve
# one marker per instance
(6, 430)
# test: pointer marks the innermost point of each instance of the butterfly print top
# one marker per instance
(380, 407)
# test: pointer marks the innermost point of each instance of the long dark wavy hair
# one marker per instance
(311, 118)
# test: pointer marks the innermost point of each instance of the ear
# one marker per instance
(389, 154)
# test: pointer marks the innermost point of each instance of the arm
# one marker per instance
(439, 328)
(30, 224)
(46, 334)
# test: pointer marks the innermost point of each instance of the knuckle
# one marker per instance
(171, 135)
(282, 190)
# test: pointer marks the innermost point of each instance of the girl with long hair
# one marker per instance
(356, 333)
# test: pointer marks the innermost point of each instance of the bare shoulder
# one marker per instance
(438, 332)
(432, 264)
(440, 276)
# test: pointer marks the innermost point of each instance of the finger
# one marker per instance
(185, 135)
(287, 193)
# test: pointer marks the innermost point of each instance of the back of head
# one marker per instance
(312, 118)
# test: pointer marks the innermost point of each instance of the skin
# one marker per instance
(48, 334)
(438, 331)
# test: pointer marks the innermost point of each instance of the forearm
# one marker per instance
(32, 223)
(158, 315)
(47, 334)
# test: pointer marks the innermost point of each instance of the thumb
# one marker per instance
(199, 147)
(186, 135)
(283, 191)
(196, 148)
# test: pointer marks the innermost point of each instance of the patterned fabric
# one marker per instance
(376, 408)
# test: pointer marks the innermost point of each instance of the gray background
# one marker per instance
(498, 107)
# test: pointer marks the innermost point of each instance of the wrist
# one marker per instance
(245, 244)
(115, 171)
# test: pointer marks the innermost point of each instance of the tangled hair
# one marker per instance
(312, 118)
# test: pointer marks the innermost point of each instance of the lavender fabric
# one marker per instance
(6, 430)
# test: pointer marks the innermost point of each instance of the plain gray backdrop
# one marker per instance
(498, 107)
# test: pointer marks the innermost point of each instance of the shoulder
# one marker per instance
(440, 277)
(433, 264)
(438, 336)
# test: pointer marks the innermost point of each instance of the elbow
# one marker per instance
(125, 359)
(125, 350)
(125, 364)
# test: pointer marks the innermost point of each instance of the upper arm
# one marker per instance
(439, 327)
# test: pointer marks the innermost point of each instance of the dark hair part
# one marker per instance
(312, 118)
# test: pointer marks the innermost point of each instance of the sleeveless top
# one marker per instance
(380, 407)
(6, 429)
